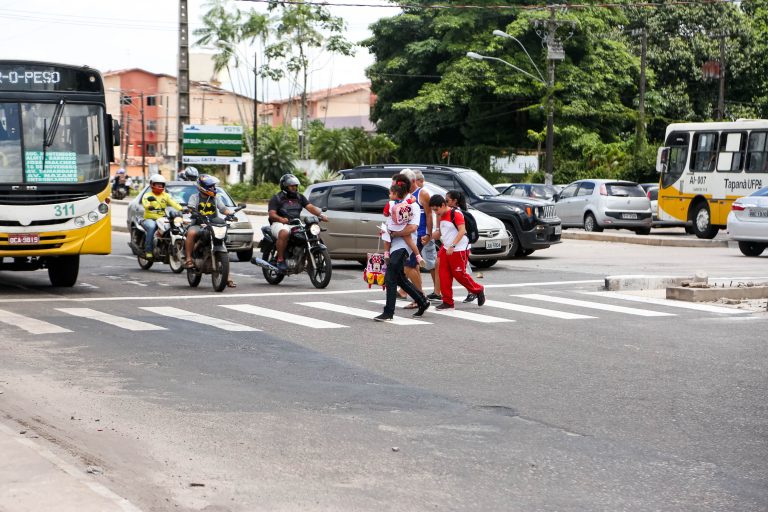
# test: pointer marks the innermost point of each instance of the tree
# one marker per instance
(275, 154)
(335, 148)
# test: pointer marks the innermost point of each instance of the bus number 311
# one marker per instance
(64, 209)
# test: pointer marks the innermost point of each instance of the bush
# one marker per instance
(248, 193)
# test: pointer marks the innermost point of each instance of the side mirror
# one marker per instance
(662, 160)
(115, 132)
(242, 206)
(324, 209)
(556, 197)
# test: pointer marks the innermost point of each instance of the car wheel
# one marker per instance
(702, 221)
(514, 239)
(643, 231)
(483, 263)
(751, 248)
(590, 224)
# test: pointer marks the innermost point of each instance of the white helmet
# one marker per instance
(156, 178)
(191, 173)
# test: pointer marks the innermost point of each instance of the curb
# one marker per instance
(641, 282)
(643, 239)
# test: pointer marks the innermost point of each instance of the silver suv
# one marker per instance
(355, 210)
(602, 204)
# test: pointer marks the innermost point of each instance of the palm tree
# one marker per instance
(335, 149)
(276, 152)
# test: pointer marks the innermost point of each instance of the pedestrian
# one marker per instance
(398, 212)
(456, 199)
(453, 254)
(412, 267)
(399, 252)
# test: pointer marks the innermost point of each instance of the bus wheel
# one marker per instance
(62, 270)
(702, 221)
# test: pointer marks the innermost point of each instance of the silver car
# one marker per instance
(240, 234)
(355, 209)
(748, 222)
(604, 204)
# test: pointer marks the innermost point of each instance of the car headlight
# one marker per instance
(514, 208)
(315, 229)
(219, 231)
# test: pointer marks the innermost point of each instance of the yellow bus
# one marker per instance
(704, 167)
(56, 142)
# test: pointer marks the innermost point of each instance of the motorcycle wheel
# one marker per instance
(193, 277)
(175, 258)
(220, 273)
(144, 263)
(269, 275)
(320, 274)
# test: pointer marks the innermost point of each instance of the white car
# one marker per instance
(748, 222)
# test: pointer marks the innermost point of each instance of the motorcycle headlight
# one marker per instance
(219, 231)
(315, 229)
(178, 221)
(93, 216)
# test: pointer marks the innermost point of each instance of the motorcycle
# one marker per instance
(209, 253)
(169, 241)
(119, 191)
(305, 252)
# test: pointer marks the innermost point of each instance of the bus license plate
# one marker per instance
(758, 212)
(24, 239)
(493, 244)
(629, 216)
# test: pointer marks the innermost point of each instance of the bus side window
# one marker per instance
(704, 152)
(756, 152)
(731, 156)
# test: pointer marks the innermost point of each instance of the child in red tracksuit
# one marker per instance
(454, 252)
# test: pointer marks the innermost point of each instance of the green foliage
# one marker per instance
(335, 148)
(250, 193)
(328, 175)
(275, 153)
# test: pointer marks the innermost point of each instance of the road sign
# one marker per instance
(205, 144)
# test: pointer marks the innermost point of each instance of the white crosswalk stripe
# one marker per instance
(362, 313)
(520, 308)
(592, 305)
(118, 321)
(697, 306)
(31, 325)
(190, 316)
(283, 316)
(457, 313)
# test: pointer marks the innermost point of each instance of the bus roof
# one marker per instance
(741, 124)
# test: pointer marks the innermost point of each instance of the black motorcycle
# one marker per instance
(119, 191)
(169, 241)
(305, 252)
(209, 253)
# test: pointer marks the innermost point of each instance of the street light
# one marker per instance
(501, 33)
(550, 115)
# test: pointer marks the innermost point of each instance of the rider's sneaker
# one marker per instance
(148, 255)
(281, 266)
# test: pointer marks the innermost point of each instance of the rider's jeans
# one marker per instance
(150, 226)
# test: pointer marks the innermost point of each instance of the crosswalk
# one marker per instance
(344, 312)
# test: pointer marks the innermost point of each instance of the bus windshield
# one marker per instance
(39, 144)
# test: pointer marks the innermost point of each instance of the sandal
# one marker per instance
(231, 284)
(189, 264)
(412, 305)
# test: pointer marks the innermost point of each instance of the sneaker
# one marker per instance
(425, 306)
(481, 298)
(470, 298)
(434, 296)
(383, 318)
(443, 306)
(148, 255)
(282, 266)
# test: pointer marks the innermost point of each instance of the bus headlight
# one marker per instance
(93, 216)
(103, 208)
(79, 222)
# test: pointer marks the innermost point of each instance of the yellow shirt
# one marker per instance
(156, 209)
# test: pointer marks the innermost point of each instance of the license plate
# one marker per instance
(558, 230)
(758, 212)
(493, 244)
(24, 239)
(629, 216)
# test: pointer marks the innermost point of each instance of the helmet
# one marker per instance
(207, 185)
(288, 180)
(157, 183)
(121, 171)
(191, 173)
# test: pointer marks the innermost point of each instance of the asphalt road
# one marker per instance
(550, 397)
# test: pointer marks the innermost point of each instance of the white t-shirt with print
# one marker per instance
(449, 231)
(398, 242)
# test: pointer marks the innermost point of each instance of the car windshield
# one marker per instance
(624, 190)
(182, 193)
(477, 185)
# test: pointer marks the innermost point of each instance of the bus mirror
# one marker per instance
(662, 160)
(115, 133)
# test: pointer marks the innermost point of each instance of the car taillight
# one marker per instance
(603, 190)
(737, 207)
(648, 195)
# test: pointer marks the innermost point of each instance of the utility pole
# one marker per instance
(183, 79)
(143, 140)
(255, 139)
(640, 129)
(721, 95)
(122, 123)
(165, 143)
(547, 31)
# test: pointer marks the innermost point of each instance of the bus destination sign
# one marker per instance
(41, 77)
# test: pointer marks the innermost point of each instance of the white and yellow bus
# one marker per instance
(706, 166)
(56, 142)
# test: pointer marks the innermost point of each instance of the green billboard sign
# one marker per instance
(204, 144)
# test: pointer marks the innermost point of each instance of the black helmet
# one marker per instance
(288, 180)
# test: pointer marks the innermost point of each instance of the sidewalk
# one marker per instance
(33, 478)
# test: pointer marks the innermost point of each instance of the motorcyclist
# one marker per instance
(191, 174)
(155, 201)
(283, 207)
(207, 203)
(120, 179)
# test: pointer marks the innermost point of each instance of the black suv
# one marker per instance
(532, 224)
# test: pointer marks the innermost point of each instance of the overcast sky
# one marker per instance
(118, 34)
